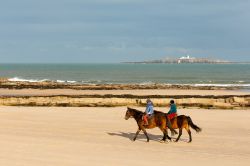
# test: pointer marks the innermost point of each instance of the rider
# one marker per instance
(170, 115)
(148, 112)
(173, 111)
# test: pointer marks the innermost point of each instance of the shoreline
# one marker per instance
(7, 84)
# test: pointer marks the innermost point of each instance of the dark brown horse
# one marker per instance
(160, 120)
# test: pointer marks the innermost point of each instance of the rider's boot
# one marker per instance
(145, 120)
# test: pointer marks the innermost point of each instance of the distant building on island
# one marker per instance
(185, 59)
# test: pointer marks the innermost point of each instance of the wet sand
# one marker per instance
(67, 136)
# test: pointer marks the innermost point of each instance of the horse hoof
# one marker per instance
(168, 141)
(162, 141)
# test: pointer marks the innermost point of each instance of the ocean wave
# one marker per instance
(91, 81)
(200, 84)
(147, 83)
(60, 81)
(66, 81)
(17, 79)
(222, 85)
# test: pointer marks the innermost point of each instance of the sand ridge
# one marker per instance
(219, 99)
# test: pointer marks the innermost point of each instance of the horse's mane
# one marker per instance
(135, 110)
(155, 111)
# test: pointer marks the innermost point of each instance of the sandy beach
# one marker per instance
(99, 134)
(141, 92)
(70, 70)
(66, 136)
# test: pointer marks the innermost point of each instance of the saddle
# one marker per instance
(171, 116)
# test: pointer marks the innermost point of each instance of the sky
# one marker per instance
(110, 31)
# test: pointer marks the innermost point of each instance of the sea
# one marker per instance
(129, 73)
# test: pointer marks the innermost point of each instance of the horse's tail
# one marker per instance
(192, 125)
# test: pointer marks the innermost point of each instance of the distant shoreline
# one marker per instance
(146, 62)
(188, 59)
(123, 62)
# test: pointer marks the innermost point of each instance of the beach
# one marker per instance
(69, 136)
(70, 70)
(51, 124)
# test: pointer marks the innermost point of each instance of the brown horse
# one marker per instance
(183, 121)
(160, 120)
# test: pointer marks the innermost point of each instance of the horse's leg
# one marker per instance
(166, 131)
(190, 136)
(137, 132)
(164, 134)
(144, 131)
(169, 138)
(180, 133)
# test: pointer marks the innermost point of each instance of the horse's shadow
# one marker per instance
(140, 136)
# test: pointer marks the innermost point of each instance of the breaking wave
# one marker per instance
(236, 84)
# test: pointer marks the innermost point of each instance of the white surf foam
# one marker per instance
(17, 79)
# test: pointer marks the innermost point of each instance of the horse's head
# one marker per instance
(128, 113)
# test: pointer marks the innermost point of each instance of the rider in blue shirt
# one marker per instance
(149, 108)
(149, 111)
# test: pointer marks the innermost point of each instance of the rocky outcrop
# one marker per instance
(4, 83)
